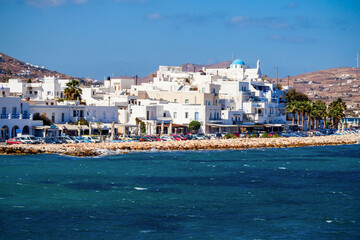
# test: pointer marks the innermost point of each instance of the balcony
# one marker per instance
(16, 116)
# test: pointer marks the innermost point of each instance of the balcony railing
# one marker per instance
(16, 116)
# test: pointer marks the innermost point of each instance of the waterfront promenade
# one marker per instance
(96, 149)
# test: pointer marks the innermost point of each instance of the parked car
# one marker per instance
(91, 139)
(48, 140)
(31, 139)
(56, 140)
(12, 141)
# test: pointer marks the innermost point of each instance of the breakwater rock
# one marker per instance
(96, 149)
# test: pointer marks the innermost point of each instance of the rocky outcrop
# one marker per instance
(96, 149)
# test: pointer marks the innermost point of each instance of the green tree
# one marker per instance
(29, 80)
(73, 90)
(291, 107)
(318, 112)
(293, 95)
(308, 108)
(194, 126)
(337, 111)
(43, 117)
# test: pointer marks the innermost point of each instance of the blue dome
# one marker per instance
(238, 61)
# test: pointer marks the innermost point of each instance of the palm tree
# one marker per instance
(302, 108)
(73, 90)
(336, 111)
(319, 112)
(308, 108)
(291, 108)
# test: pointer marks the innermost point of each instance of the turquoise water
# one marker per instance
(297, 193)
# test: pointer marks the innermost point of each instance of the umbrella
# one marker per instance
(162, 128)
(154, 128)
(79, 129)
(139, 129)
(90, 128)
(112, 131)
(170, 128)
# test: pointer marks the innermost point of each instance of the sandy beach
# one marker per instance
(96, 149)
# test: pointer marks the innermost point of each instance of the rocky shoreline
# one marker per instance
(97, 149)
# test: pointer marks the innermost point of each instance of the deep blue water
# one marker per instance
(297, 193)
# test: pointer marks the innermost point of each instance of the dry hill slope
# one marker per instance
(13, 68)
(328, 84)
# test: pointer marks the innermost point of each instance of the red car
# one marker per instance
(12, 141)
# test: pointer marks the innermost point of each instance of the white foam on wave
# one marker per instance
(140, 188)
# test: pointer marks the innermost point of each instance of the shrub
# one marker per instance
(194, 126)
(254, 135)
(46, 120)
(82, 122)
(275, 135)
(233, 136)
(227, 136)
(265, 135)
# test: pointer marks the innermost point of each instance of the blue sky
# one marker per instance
(100, 38)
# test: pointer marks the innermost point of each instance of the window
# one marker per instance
(175, 114)
(210, 116)
(49, 93)
(30, 92)
(196, 116)
(74, 113)
(3, 110)
(164, 114)
(63, 117)
(35, 92)
(81, 113)
(14, 110)
(186, 114)
(175, 100)
(186, 100)
(53, 117)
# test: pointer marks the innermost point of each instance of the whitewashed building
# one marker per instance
(16, 118)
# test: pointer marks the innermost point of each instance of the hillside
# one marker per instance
(328, 84)
(13, 68)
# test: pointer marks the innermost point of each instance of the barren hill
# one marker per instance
(13, 68)
(328, 84)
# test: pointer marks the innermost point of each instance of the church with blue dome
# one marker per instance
(237, 63)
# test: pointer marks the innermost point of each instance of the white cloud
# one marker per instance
(154, 16)
(80, 1)
(45, 3)
(131, 1)
(265, 22)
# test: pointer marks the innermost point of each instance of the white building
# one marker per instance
(48, 88)
(16, 118)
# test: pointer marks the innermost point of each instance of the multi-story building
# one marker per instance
(16, 118)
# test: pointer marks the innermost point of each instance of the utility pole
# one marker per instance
(288, 81)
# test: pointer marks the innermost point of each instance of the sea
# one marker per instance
(288, 193)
